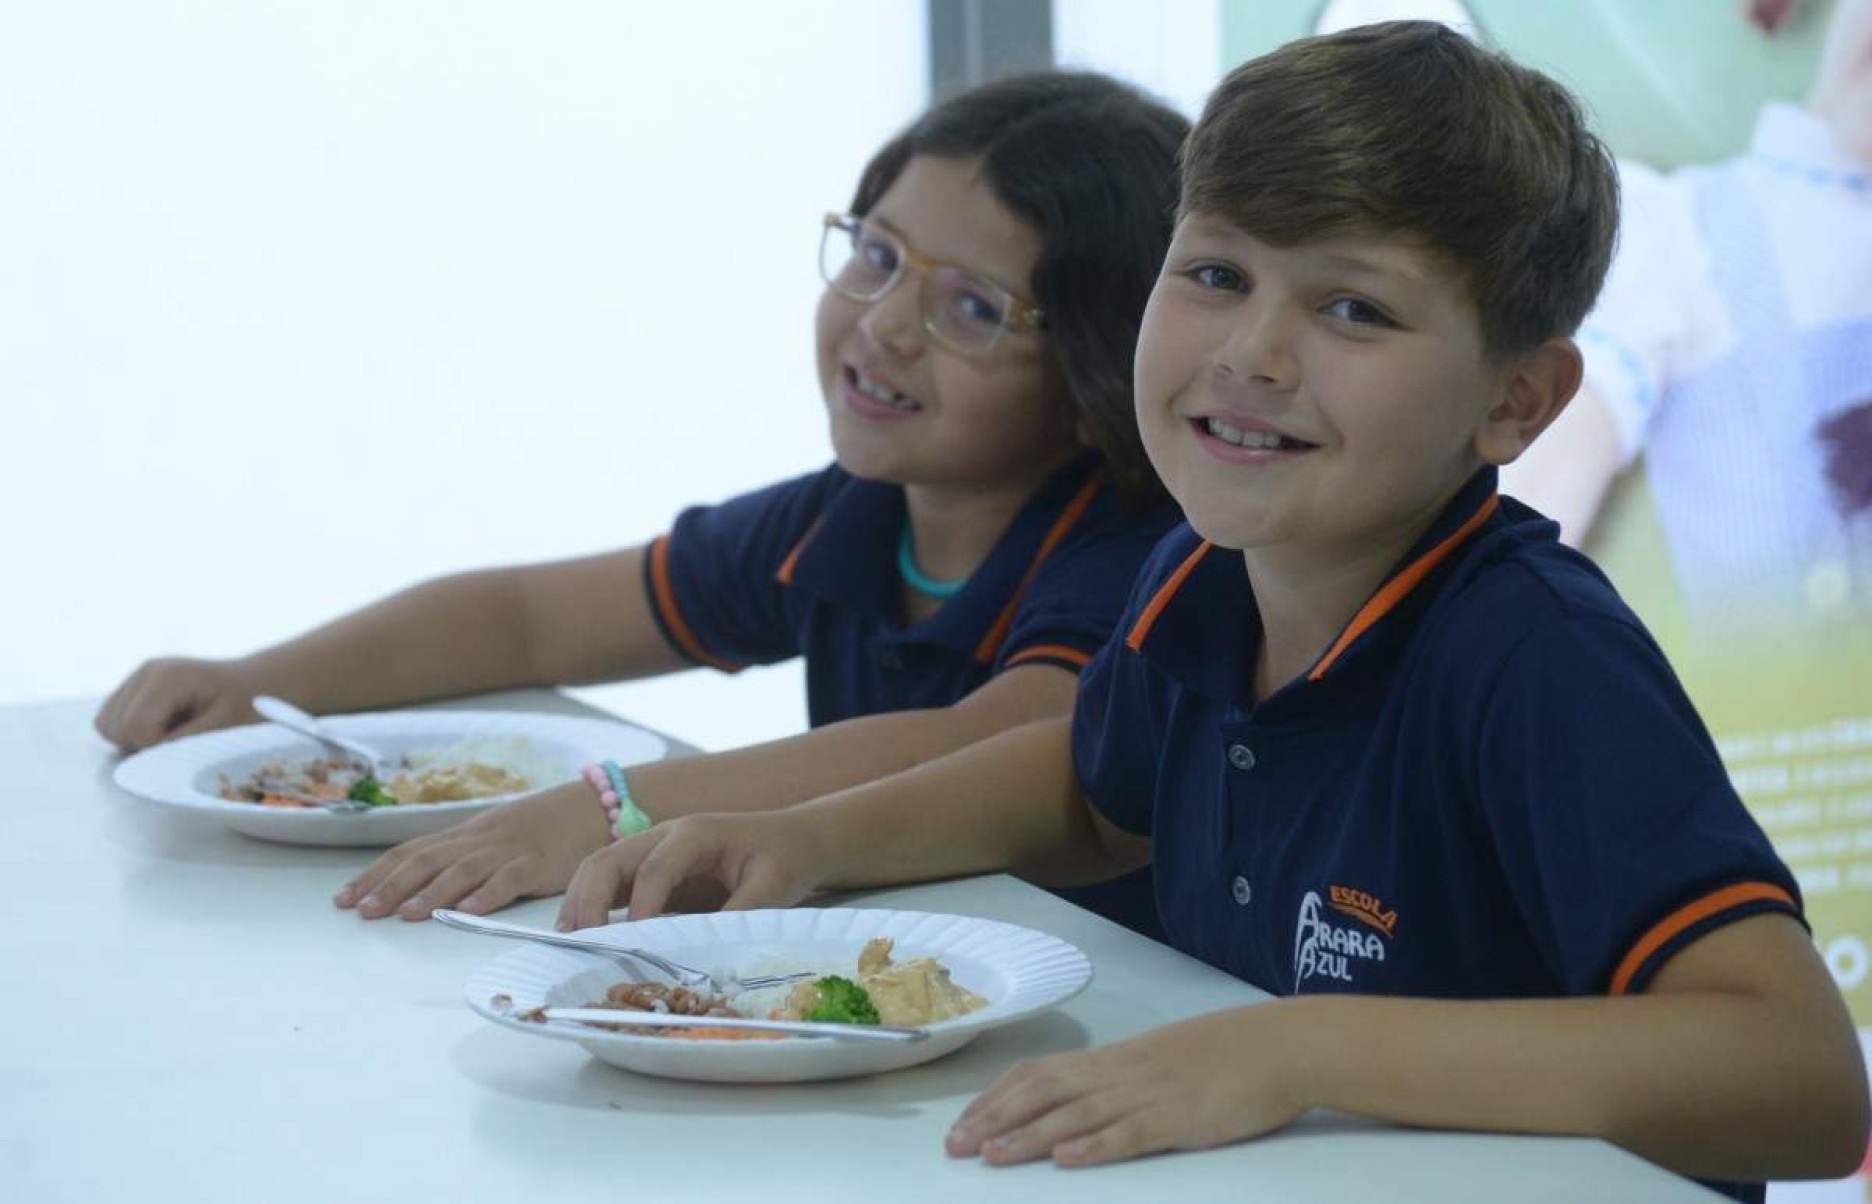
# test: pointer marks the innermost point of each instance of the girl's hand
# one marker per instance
(175, 697)
(1199, 1083)
(760, 860)
(522, 850)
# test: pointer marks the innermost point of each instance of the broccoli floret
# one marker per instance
(369, 790)
(841, 1001)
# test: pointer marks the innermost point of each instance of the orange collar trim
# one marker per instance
(1161, 599)
(1399, 587)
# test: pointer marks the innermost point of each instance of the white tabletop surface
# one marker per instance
(187, 1017)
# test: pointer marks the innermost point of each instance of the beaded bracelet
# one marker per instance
(622, 814)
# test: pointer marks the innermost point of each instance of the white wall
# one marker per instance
(1170, 48)
(302, 301)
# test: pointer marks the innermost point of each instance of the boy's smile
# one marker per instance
(1325, 398)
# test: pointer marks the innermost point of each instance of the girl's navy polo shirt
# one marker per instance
(808, 567)
(1491, 785)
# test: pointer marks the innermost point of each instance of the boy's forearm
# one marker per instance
(1711, 1085)
(1007, 804)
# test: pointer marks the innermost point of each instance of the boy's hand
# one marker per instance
(522, 850)
(1205, 1082)
(761, 860)
(175, 697)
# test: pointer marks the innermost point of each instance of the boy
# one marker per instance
(1403, 759)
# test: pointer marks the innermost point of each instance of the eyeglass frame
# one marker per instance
(1021, 312)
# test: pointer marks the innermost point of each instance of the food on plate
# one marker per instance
(832, 1000)
(910, 993)
(471, 769)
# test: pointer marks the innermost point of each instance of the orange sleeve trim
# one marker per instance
(1400, 586)
(1050, 652)
(1069, 517)
(784, 575)
(663, 596)
(1673, 925)
(1161, 599)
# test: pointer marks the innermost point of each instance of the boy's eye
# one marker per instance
(1358, 312)
(1216, 276)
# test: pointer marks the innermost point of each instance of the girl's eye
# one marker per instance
(1358, 312)
(877, 254)
(973, 307)
(1217, 277)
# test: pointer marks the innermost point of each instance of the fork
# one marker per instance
(687, 976)
(278, 710)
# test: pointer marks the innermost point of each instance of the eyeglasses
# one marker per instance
(864, 260)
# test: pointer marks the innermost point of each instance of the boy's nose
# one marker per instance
(1259, 350)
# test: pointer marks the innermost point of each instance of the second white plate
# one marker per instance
(186, 773)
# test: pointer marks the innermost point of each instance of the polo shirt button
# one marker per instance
(890, 659)
(1241, 756)
(1241, 890)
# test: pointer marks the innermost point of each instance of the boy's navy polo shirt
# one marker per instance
(1491, 785)
(808, 568)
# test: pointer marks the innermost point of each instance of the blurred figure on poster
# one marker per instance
(1732, 346)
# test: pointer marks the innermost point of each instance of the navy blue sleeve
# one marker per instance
(1122, 703)
(714, 580)
(1077, 595)
(1620, 835)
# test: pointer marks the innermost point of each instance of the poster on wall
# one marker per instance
(1718, 460)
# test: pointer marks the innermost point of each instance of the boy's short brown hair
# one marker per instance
(1408, 128)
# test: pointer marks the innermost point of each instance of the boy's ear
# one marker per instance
(1535, 387)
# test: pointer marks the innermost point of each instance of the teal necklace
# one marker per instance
(914, 578)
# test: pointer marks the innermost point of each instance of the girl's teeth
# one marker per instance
(878, 392)
(1251, 439)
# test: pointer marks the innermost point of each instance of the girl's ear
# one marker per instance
(1536, 386)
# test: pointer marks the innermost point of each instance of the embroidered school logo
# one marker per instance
(1333, 951)
(1362, 906)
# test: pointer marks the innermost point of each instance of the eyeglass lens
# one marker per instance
(863, 260)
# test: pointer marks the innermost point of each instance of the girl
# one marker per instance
(945, 579)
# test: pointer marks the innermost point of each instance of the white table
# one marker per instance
(186, 1017)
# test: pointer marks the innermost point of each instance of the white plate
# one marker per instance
(1017, 970)
(186, 773)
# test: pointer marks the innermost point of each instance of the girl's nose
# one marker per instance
(895, 320)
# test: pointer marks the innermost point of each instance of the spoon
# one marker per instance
(278, 710)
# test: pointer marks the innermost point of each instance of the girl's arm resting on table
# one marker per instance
(779, 773)
(1739, 1062)
(533, 846)
(1010, 802)
(569, 621)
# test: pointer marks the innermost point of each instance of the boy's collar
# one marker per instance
(1202, 625)
(849, 557)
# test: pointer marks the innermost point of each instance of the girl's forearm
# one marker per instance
(454, 635)
(1007, 804)
(780, 773)
(549, 624)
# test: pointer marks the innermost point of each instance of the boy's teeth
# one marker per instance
(1241, 438)
(877, 392)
